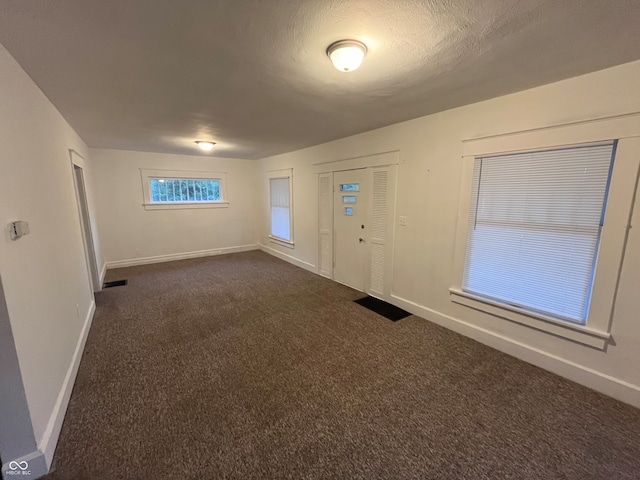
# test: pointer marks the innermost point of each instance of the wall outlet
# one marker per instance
(403, 221)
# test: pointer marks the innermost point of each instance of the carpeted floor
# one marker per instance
(245, 367)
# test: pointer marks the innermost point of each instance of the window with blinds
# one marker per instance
(280, 194)
(534, 228)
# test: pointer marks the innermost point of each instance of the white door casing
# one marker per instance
(77, 166)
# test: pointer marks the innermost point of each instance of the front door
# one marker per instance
(351, 198)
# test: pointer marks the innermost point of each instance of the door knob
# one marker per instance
(361, 240)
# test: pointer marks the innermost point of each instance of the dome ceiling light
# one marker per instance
(347, 55)
(206, 146)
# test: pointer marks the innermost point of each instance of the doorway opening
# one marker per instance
(85, 221)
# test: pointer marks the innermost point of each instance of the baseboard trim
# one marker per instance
(180, 256)
(103, 272)
(49, 440)
(606, 384)
(289, 258)
(34, 465)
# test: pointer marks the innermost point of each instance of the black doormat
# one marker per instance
(115, 283)
(383, 308)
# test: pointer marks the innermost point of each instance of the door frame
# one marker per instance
(79, 183)
(326, 169)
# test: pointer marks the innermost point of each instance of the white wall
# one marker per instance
(132, 235)
(429, 180)
(45, 277)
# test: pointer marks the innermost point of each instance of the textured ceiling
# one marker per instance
(252, 75)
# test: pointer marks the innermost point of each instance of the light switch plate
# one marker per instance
(19, 229)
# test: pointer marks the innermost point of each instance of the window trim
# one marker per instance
(147, 175)
(573, 331)
(286, 173)
(596, 330)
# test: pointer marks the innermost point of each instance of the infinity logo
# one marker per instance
(21, 465)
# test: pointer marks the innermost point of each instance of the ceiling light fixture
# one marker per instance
(347, 55)
(206, 146)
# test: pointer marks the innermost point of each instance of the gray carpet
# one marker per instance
(245, 367)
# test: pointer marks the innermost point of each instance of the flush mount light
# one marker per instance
(206, 146)
(347, 55)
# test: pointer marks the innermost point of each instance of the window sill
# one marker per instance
(280, 241)
(577, 333)
(182, 206)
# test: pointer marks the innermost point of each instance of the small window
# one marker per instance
(281, 212)
(184, 190)
(348, 211)
(172, 189)
(349, 187)
(535, 222)
(349, 199)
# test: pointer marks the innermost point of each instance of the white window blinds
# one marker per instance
(280, 208)
(534, 228)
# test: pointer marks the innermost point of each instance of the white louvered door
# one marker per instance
(325, 216)
(378, 231)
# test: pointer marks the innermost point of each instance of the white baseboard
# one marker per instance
(606, 384)
(32, 465)
(289, 258)
(180, 256)
(49, 440)
(103, 272)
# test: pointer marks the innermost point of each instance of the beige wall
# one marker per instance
(130, 234)
(429, 182)
(45, 277)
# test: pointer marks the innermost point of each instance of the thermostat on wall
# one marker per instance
(19, 229)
